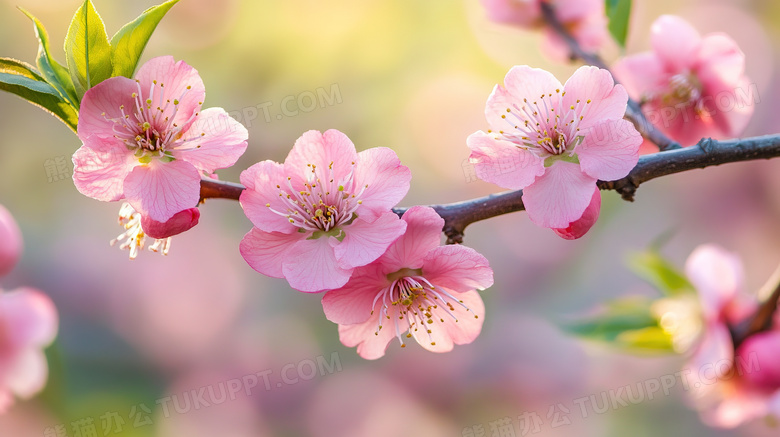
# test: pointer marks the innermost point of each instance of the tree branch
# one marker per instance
(762, 320)
(457, 216)
(634, 111)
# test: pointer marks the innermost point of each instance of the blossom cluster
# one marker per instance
(743, 384)
(326, 221)
(28, 324)
(323, 219)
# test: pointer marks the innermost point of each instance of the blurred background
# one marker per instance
(405, 74)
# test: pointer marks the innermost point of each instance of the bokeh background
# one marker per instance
(406, 74)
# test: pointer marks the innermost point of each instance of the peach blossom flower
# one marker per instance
(692, 86)
(560, 140)
(324, 212)
(417, 289)
(148, 141)
(28, 323)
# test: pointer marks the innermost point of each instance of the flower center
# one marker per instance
(683, 89)
(543, 125)
(414, 306)
(323, 204)
(148, 128)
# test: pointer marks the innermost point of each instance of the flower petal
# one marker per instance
(595, 85)
(642, 75)
(457, 268)
(523, 13)
(609, 149)
(265, 251)
(181, 222)
(371, 344)
(388, 181)
(717, 276)
(159, 190)
(715, 347)
(499, 101)
(100, 168)
(353, 303)
(320, 149)
(523, 81)
(423, 234)
(261, 181)
(311, 266)
(581, 226)
(502, 162)
(366, 241)
(444, 335)
(732, 117)
(560, 196)
(175, 81)
(214, 140)
(762, 349)
(720, 61)
(675, 41)
(109, 100)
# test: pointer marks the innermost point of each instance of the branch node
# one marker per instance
(454, 236)
(706, 144)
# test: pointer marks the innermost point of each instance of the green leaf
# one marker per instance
(129, 42)
(22, 79)
(51, 70)
(87, 49)
(660, 273)
(627, 324)
(650, 339)
(618, 13)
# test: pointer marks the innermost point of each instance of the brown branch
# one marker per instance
(457, 216)
(760, 321)
(634, 111)
(214, 189)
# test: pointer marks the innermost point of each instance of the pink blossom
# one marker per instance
(324, 212)
(148, 141)
(730, 388)
(10, 241)
(558, 140)
(28, 323)
(417, 289)
(692, 86)
(584, 19)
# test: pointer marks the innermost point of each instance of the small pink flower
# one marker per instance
(417, 289)
(10, 241)
(730, 388)
(28, 323)
(692, 86)
(555, 141)
(147, 140)
(584, 19)
(323, 212)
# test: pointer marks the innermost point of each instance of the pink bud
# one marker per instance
(180, 222)
(581, 226)
(10, 241)
(758, 360)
